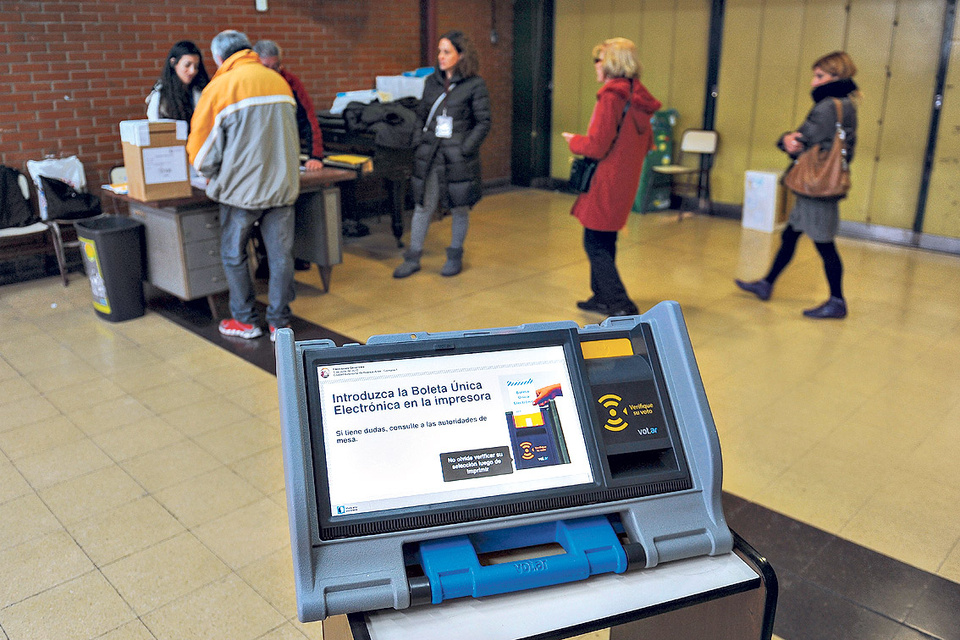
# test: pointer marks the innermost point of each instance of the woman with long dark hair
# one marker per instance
(819, 218)
(177, 91)
(454, 118)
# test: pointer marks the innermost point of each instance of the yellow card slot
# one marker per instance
(612, 348)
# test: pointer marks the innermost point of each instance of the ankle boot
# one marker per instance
(832, 308)
(760, 288)
(411, 264)
(454, 263)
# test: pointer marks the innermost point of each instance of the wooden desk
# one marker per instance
(183, 234)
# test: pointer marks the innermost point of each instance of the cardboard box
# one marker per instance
(764, 201)
(155, 157)
(398, 87)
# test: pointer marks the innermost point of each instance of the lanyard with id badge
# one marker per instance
(444, 128)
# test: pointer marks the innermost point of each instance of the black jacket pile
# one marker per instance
(14, 210)
(391, 123)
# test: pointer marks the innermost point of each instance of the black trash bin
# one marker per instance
(112, 249)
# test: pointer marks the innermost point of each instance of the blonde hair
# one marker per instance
(837, 63)
(619, 57)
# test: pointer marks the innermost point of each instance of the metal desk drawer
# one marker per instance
(205, 281)
(202, 254)
(200, 226)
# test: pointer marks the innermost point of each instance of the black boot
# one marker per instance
(625, 309)
(593, 305)
(760, 288)
(454, 263)
(832, 308)
(411, 264)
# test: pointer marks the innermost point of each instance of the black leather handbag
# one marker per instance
(582, 169)
(581, 173)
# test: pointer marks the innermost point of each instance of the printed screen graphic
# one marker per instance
(439, 429)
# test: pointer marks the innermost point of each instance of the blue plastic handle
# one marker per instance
(453, 567)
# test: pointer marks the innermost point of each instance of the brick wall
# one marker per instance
(477, 19)
(73, 69)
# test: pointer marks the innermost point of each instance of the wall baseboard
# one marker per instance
(859, 230)
(848, 229)
(901, 237)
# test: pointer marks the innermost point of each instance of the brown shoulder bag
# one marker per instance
(822, 174)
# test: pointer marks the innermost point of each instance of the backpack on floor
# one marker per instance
(15, 209)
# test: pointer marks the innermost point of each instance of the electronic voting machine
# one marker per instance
(416, 460)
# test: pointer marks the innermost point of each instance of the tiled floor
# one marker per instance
(141, 489)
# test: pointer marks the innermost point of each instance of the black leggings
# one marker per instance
(605, 282)
(828, 251)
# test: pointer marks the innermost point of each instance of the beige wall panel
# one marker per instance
(626, 19)
(579, 26)
(656, 46)
(823, 27)
(906, 119)
(776, 86)
(736, 86)
(567, 63)
(671, 38)
(768, 46)
(942, 216)
(597, 25)
(687, 84)
(869, 42)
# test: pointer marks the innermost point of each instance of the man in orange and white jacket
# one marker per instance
(244, 140)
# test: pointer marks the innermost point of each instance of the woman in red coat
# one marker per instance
(620, 140)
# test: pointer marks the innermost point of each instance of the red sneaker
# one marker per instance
(239, 329)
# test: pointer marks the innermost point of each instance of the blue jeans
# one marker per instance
(276, 226)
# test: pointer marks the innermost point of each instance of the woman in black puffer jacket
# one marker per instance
(454, 118)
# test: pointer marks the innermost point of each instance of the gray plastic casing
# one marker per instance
(367, 573)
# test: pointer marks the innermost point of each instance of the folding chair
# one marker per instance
(703, 144)
(69, 170)
(118, 175)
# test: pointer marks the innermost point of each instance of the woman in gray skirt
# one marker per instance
(818, 217)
